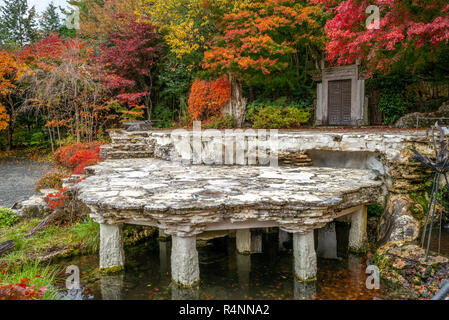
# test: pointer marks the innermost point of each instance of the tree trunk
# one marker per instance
(77, 125)
(237, 105)
(7, 247)
(11, 125)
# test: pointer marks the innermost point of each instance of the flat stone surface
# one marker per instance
(187, 198)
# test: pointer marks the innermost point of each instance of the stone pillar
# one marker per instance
(112, 256)
(305, 256)
(256, 241)
(184, 261)
(243, 241)
(283, 238)
(327, 242)
(164, 257)
(357, 233)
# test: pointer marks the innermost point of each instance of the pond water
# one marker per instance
(444, 244)
(228, 275)
(18, 179)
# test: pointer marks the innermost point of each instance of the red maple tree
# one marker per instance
(129, 58)
(405, 28)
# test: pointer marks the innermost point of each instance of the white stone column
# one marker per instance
(283, 238)
(256, 241)
(243, 241)
(357, 233)
(305, 256)
(185, 268)
(327, 242)
(112, 256)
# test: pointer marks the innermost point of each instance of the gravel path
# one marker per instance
(18, 179)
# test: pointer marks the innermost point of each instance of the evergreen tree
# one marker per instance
(17, 23)
(50, 21)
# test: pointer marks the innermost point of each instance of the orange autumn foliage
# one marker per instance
(11, 71)
(64, 154)
(208, 97)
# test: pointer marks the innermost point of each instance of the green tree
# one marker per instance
(50, 21)
(18, 24)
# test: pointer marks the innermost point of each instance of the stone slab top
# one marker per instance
(169, 194)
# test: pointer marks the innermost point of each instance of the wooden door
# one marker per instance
(339, 102)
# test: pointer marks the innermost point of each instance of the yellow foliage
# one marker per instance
(99, 19)
(187, 24)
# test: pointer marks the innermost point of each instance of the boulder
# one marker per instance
(34, 207)
(397, 223)
(426, 120)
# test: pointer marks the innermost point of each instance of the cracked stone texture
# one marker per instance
(184, 200)
(398, 223)
(184, 261)
(305, 256)
(243, 241)
(111, 246)
(357, 233)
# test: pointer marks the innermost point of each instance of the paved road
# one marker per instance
(18, 179)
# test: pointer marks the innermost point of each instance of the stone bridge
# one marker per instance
(321, 177)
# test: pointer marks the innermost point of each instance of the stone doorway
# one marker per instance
(341, 97)
(339, 103)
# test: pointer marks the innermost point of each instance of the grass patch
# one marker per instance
(75, 237)
(39, 275)
(7, 217)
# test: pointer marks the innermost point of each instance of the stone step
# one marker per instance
(129, 154)
(129, 147)
(127, 140)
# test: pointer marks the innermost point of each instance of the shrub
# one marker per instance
(84, 158)
(221, 122)
(255, 106)
(274, 117)
(208, 97)
(63, 155)
(57, 199)
(7, 217)
(51, 180)
(393, 106)
(375, 210)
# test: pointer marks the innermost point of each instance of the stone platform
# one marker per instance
(187, 200)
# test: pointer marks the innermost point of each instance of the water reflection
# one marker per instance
(304, 290)
(111, 287)
(179, 293)
(225, 274)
